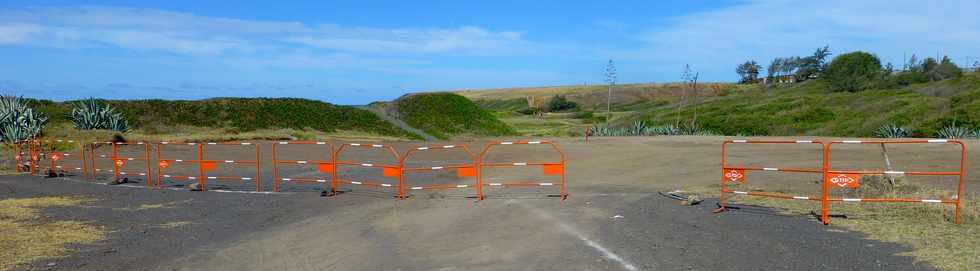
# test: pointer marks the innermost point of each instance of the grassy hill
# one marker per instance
(236, 115)
(444, 115)
(807, 108)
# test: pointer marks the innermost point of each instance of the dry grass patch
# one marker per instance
(927, 228)
(144, 207)
(25, 237)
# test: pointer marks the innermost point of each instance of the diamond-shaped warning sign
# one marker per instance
(735, 175)
(120, 162)
(845, 180)
(164, 163)
(55, 157)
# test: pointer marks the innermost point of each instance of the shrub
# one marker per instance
(445, 114)
(853, 72)
(559, 103)
(18, 121)
(93, 114)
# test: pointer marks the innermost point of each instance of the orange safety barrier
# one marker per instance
(388, 170)
(737, 174)
(556, 168)
(462, 169)
(190, 161)
(58, 160)
(325, 165)
(136, 152)
(29, 150)
(851, 177)
(210, 165)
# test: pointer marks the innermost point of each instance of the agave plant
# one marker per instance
(639, 128)
(891, 131)
(954, 131)
(18, 121)
(668, 129)
(93, 114)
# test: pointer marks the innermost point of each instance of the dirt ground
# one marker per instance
(613, 220)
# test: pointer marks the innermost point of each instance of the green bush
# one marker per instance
(446, 114)
(853, 71)
(559, 104)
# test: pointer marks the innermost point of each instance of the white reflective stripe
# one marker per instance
(283, 143)
(741, 192)
(192, 178)
(321, 143)
(534, 142)
(78, 168)
(192, 144)
(852, 141)
(545, 184)
(229, 161)
(461, 186)
(367, 165)
(386, 185)
(139, 143)
(417, 188)
(804, 198)
(287, 179)
(895, 172)
(246, 143)
(853, 200)
(321, 181)
(739, 141)
(121, 172)
(102, 155)
(423, 148)
(938, 141)
(804, 141)
(130, 159)
(212, 143)
(377, 146)
(496, 184)
(301, 162)
(179, 160)
(436, 168)
(932, 201)
(355, 182)
(246, 178)
(57, 166)
(448, 146)
(212, 178)
(355, 144)
(98, 170)
(168, 176)
(506, 143)
(142, 174)
(520, 164)
(770, 169)
(164, 143)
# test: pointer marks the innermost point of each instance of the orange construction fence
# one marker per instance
(737, 174)
(843, 178)
(850, 177)
(60, 162)
(232, 170)
(463, 169)
(138, 152)
(324, 166)
(388, 170)
(27, 153)
(555, 168)
(180, 165)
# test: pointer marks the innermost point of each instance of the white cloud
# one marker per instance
(184, 33)
(762, 29)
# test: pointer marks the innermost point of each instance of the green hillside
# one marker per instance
(236, 115)
(807, 108)
(444, 115)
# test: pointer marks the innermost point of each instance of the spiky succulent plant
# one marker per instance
(93, 114)
(891, 131)
(18, 121)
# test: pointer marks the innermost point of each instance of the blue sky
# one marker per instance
(355, 52)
